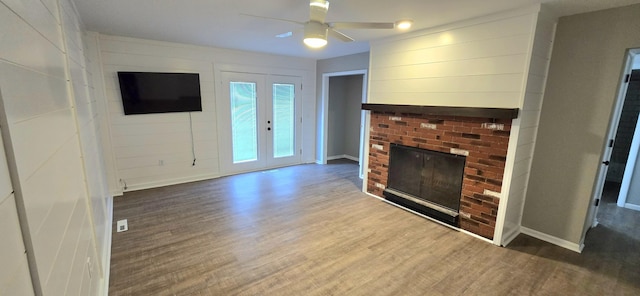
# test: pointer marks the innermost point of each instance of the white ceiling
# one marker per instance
(219, 23)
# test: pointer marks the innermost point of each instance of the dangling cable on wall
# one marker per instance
(193, 145)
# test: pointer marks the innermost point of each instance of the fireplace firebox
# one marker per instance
(426, 181)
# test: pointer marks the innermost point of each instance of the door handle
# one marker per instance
(606, 162)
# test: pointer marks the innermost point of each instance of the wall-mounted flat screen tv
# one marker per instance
(150, 92)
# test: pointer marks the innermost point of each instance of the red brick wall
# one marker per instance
(484, 140)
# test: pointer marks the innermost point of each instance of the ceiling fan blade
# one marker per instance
(318, 10)
(347, 25)
(339, 35)
(285, 35)
(272, 18)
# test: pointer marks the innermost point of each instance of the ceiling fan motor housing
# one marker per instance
(318, 10)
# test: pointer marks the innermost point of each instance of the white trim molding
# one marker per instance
(508, 237)
(162, 183)
(107, 255)
(632, 207)
(552, 239)
(343, 156)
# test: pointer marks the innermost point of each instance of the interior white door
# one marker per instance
(261, 121)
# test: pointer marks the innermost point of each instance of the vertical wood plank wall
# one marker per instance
(54, 155)
(140, 142)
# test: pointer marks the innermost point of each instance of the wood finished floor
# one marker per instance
(308, 230)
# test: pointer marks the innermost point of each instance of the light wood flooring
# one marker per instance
(308, 230)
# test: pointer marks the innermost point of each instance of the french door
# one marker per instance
(261, 124)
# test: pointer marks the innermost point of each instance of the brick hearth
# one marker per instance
(483, 140)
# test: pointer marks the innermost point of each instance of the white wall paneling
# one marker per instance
(155, 149)
(14, 274)
(15, 278)
(529, 118)
(87, 124)
(477, 63)
(97, 91)
(50, 124)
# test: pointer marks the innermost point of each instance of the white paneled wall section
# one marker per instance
(153, 150)
(14, 274)
(497, 61)
(527, 124)
(478, 63)
(49, 128)
(88, 125)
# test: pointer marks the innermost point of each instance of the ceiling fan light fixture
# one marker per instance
(315, 34)
(315, 42)
(403, 24)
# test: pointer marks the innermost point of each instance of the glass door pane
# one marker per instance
(244, 121)
(283, 120)
(260, 122)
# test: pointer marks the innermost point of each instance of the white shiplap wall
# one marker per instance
(497, 61)
(141, 142)
(52, 150)
(524, 137)
(14, 274)
(88, 125)
(477, 63)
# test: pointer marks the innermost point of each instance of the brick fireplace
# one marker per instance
(483, 140)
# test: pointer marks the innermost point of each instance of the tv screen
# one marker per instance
(148, 92)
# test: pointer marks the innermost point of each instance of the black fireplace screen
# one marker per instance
(431, 176)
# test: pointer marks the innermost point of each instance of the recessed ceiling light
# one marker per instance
(403, 24)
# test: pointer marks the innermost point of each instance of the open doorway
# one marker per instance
(611, 206)
(342, 128)
(624, 167)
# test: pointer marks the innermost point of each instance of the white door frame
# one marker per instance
(633, 150)
(324, 126)
(630, 167)
(592, 219)
(263, 84)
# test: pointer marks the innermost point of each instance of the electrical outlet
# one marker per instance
(122, 225)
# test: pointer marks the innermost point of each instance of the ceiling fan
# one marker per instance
(316, 29)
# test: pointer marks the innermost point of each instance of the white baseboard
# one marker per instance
(343, 156)
(116, 193)
(632, 207)
(356, 159)
(106, 263)
(508, 237)
(552, 239)
(162, 183)
(431, 219)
